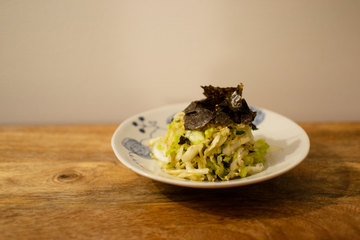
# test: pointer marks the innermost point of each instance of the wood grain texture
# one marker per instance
(64, 182)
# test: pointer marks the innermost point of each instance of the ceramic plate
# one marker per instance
(130, 139)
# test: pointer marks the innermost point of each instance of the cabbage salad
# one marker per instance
(216, 153)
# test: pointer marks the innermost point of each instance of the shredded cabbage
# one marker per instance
(217, 153)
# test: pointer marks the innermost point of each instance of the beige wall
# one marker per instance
(85, 62)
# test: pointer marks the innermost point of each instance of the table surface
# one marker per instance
(65, 182)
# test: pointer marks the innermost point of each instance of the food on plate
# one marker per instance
(212, 139)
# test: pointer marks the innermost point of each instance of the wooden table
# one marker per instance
(64, 182)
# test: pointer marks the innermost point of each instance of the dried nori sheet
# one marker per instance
(222, 106)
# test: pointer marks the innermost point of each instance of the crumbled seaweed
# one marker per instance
(184, 140)
(221, 106)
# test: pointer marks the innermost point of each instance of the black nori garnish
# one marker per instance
(184, 140)
(222, 106)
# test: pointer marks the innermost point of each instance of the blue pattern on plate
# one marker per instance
(137, 147)
(142, 125)
(260, 116)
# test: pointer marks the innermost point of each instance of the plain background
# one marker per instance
(94, 62)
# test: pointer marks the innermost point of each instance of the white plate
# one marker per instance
(129, 143)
